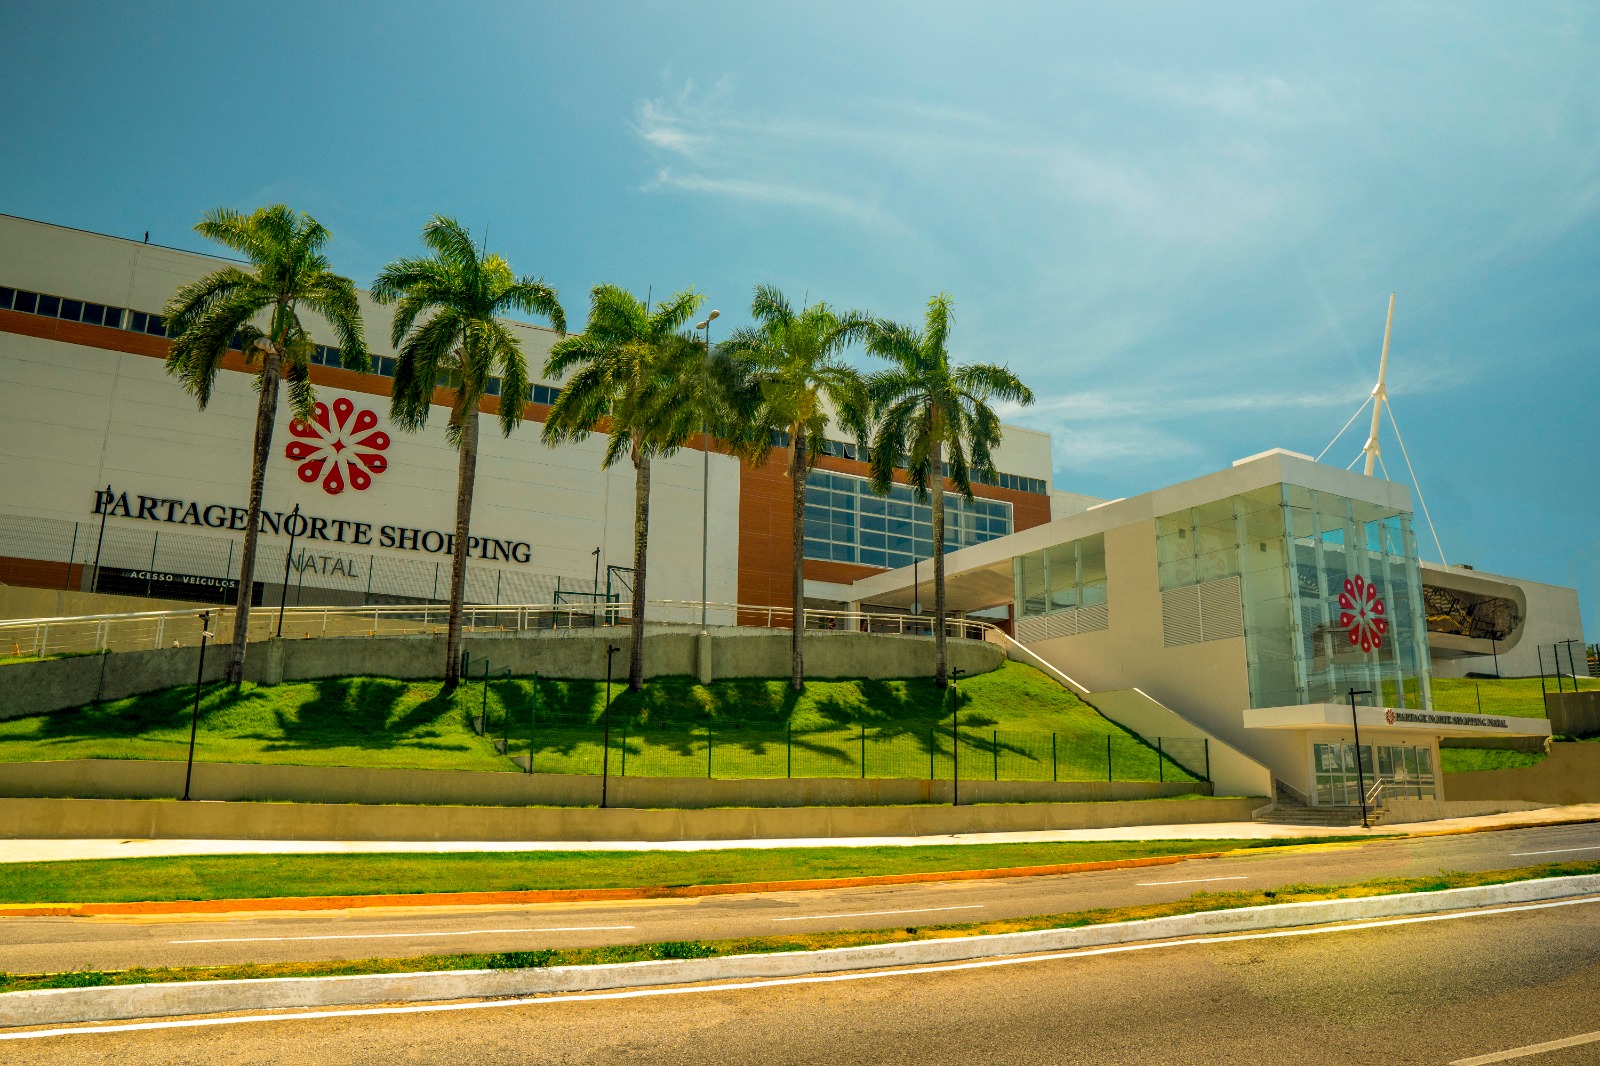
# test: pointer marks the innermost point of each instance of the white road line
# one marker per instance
(400, 936)
(1190, 881)
(776, 982)
(874, 914)
(1552, 851)
(1531, 1049)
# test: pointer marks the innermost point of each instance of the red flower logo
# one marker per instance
(1361, 613)
(340, 451)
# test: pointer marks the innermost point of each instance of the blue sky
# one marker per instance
(1178, 223)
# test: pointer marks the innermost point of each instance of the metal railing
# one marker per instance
(147, 630)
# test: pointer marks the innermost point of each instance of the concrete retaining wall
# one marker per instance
(138, 779)
(37, 819)
(1529, 745)
(737, 652)
(1573, 714)
(1571, 774)
(1402, 811)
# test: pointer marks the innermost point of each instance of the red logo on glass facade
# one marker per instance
(339, 450)
(1361, 613)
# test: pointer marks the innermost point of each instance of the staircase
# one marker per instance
(1290, 808)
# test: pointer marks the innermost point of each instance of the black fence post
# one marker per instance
(533, 720)
(1108, 758)
(930, 753)
(72, 553)
(994, 751)
(1161, 762)
(788, 750)
(624, 748)
(708, 750)
(863, 751)
(1205, 743)
(1054, 763)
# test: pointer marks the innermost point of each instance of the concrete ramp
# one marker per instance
(1233, 773)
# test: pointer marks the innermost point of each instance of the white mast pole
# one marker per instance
(1380, 392)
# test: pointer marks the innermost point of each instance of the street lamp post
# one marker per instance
(705, 471)
(194, 719)
(605, 758)
(955, 737)
(1361, 779)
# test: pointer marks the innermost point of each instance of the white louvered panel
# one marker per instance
(1180, 616)
(1094, 619)
(1062, 624)
(1221, 610)
(1031, 630)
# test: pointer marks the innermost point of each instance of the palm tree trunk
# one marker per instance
(798, 467)
(641, 542)
(466, 478)
(936, 484)
(266, 416)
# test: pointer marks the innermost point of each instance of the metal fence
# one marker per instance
(719, 750)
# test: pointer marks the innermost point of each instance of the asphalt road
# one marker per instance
(35, 945)
(1411, 992)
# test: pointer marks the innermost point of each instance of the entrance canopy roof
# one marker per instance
(1394, 719)
(981, 576)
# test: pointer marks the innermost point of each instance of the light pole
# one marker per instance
(705, 472)
(605, 759)
(955, 737)
(594, 600)
(283, 596)
(1361, 779)
(194, 719)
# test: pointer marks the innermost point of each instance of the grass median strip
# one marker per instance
(695, 949)
(279, 876)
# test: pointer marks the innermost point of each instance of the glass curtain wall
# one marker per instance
(1293, 550)
(1359, 592)
(848, 523)
(1061, 577)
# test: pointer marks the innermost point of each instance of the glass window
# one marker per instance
(27, 301)
(94, 314)
(71, 310)
(386, 366)
(6, 296)
(49, 305)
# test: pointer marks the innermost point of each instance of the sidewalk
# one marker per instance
(57, 850)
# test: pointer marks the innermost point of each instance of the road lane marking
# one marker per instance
(813, 979)
(1190, 881)
(1552, 851)
(1531, 1049)
(874, 914)
(393, 936)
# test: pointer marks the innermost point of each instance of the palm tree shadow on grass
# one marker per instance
(167, 711)
(360, 713)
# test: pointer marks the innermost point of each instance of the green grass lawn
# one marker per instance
(1016, 724)
(1464, 760)
(531, 957)
(262, 876)
(1516, 696)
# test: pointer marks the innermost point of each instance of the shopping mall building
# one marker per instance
(1247, 602)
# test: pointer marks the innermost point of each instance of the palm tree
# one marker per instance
(446, 329)
(935, 420)
(286, 271)
(634, 369)
(793, 369)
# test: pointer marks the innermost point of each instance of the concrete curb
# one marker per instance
(570, 895)
(67, 1005)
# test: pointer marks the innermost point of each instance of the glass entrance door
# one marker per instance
(1404, 769)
